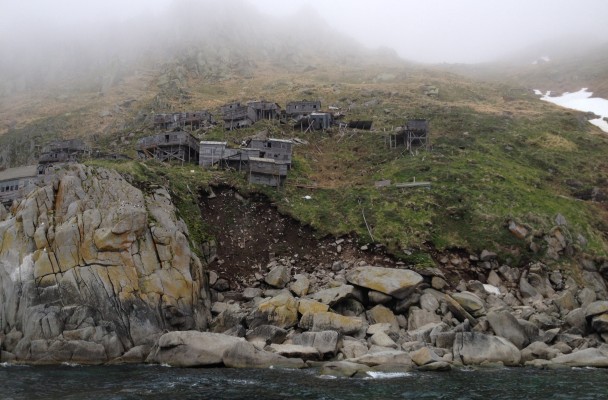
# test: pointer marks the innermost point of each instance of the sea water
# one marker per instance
(157, 382)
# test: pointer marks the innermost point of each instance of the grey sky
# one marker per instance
(421, 30)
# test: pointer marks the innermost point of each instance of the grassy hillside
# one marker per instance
(498, 154)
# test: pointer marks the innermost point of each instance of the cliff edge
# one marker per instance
(91, 267)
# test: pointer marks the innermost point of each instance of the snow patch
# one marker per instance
(581, 101)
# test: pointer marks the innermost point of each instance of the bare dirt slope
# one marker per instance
(250, 232)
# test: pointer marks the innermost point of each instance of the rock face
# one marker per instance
(91, 267)
(398, 283)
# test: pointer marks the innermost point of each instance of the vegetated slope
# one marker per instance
(498, 154)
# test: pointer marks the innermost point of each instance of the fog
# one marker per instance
(75, 36)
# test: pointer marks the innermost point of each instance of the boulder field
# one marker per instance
(93, 270)
(356, 318)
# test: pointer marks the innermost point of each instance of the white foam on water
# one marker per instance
(387, 375)
(581, 101)
(70, 364)
(327, 377)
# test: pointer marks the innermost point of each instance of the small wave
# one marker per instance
(327, 377)
(387, 375)
(242, 382)
(70, 364)
(165, 365)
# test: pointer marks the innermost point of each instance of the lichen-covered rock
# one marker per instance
(92, 258)
(333, 295)
(281, 311)
(398, 283)
(325, 321)
(470, 302)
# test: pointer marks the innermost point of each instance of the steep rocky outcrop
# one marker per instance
(91, 267)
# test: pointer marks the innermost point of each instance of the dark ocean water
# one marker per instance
(156, 382)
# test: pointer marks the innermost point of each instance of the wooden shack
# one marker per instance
(183, 120)
(179, 147)
(16, 183)
(277, 149)
(415, 133)
(266, 171)
(262, 110)
(211, 153)
(305, 107)
(235, 116)
(63, 151)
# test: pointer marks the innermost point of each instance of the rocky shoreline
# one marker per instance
(349, 318)
(93, 271)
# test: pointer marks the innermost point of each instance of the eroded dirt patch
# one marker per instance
(250, 232)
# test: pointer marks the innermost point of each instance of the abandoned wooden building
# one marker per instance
(180, 147)
(415, 133)
(176, 121)
(16, 183)
(266, 171)
(305, 107)
(265, 160)
(235, 116)
(63, 151)
(262, 110)
(277, 149)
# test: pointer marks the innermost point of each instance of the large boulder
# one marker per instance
(596, 308)
(279, 276)
(384, 357)
(333, 295)
(590, 357)
(398, 283)
(382, 314)
(473, 348)
(89, 250)
(281, 311)
(246, 355)
(192, 348)
(470, 302)
(504, 324)
(326, 342)
(326, 321)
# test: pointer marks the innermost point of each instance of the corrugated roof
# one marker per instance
(27, 171)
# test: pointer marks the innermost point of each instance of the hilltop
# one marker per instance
(506, 169)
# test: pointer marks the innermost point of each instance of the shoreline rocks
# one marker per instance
(87, 281)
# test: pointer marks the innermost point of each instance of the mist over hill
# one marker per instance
(208, 37)
(566, 65)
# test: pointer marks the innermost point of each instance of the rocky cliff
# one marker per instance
(91, 267)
